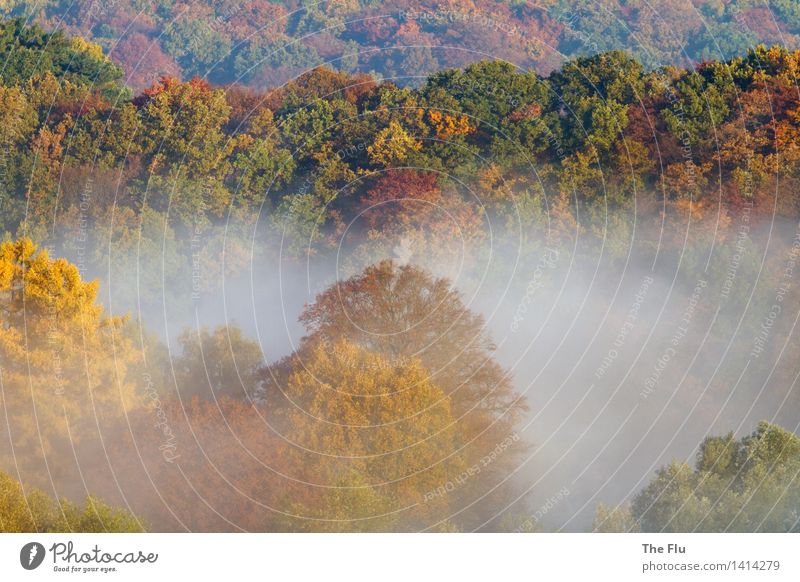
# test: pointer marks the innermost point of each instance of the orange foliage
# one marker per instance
(447, 126)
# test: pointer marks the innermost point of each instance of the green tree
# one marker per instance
(700, 107)
(35, 512)
(260, 165)
(196, 45)
(26, 51)
(217, 363)
(746, 485)
(596, 92)
(182, 127)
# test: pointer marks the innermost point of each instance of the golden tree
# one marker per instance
(62, 362)
(392, 146)
(404, 313)
(371, 438)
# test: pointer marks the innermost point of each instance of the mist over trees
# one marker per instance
(35, 512)
(54, 396)
(605, 197)
(384, 402)
(363, 433)
(406, 315)
(745, 485)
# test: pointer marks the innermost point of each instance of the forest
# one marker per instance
(380, 221)
(263, 43)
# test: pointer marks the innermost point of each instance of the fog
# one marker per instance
(626, 361)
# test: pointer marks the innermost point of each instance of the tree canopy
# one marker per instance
(744, 485)
(63, 364)
(35, 512)
(266, 42)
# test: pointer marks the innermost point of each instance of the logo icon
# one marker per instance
(31, 555)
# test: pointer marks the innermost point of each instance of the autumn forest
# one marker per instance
(252, 284)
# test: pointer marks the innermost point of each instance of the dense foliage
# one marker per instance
(345, 435)
(53, 395)
(745, 485)
(34, 511)
(27, 51)
(265, 42)
(330, 153)
(145, 188)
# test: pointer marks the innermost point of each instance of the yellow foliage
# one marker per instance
(17, 117)
(62, 362)
(392, 145)
(375, 429)
(36, 512)
(92, 49)
(695, 209)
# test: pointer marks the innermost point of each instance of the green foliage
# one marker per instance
(36, 512)
(699, 109)
(747, 485)
(262, 168)
(180, 160)
(596, 93)
(787, 11)
(27, 51)
(196, 45)
(217, 363)
(182, 124)
(188, 156)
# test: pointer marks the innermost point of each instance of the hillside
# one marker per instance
(351, 303)
(263, 43)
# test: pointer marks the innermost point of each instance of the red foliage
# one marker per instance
(398, 185)
(406, 200)
(143, 60)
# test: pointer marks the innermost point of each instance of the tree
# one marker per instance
(17, 117)
(308, 127)
(326, 84)
(392, 146)
(27, 50)
(261, 166)
(700, 107)
(488, 92)
(218, 363)
(597, 91)
(614, 519)
(370, 437)
(197, 45)
(404, 312)
(182, 127)
(63, 364)
(42, 188)
(18, 120)
(36, 513)
(200, 465)
(746, 485)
